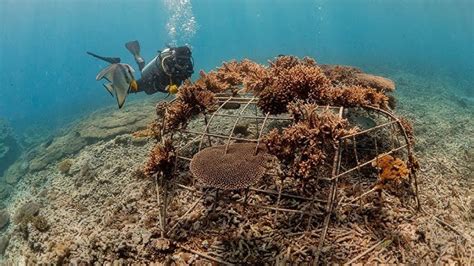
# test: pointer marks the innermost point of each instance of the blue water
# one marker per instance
(47, 80)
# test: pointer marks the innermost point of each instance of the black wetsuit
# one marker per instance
(171, 66)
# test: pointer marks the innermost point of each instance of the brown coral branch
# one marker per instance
(307, 144)
(162, 160)
(191, 100)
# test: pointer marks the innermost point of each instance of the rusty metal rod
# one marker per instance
(219, 136)
(210, 120)
(183, 158)
(285, 210)
(332, 196)
(260, 134)
(368, 130)
(257, 117)
(231, 133)
(271, 192)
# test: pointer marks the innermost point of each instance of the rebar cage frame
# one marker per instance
(247, 100)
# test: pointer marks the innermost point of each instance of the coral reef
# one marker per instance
(5, 191)
(349, 96)
(293, 79)
(64, 166)
(112, 217)
(307, 145)
(10, 149)
(4, 241)
(161, 161)
(16, 171)
(285, 80)
(102, 125)
(239, 168)
(231, 75)
(288, 79)
(26, 212)
(191, 100)
(40, 223)
(350, 76)
(392, 171)
(376, 82)
(4, 219)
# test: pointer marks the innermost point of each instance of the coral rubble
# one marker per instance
(4, 241)
(9, 147)
(26, 212)
(64, 166)
(4, 219)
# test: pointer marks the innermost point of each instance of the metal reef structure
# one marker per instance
(347, 159)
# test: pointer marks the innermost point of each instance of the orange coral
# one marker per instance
(287, 79)
(392, 170)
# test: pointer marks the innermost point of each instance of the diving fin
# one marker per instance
(112, 60)
(134, 48)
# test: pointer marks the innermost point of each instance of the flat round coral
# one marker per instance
(238, 168)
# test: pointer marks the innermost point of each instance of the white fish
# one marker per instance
(121, 81)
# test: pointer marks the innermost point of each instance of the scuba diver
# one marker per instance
(164, 73)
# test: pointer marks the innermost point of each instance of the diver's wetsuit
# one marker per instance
(170, 67)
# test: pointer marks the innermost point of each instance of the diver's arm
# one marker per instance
(150, 86)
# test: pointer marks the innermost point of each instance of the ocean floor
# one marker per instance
(82, 197)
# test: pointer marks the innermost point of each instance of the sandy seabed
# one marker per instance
(101, 208)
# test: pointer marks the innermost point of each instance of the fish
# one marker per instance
(120, 81)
